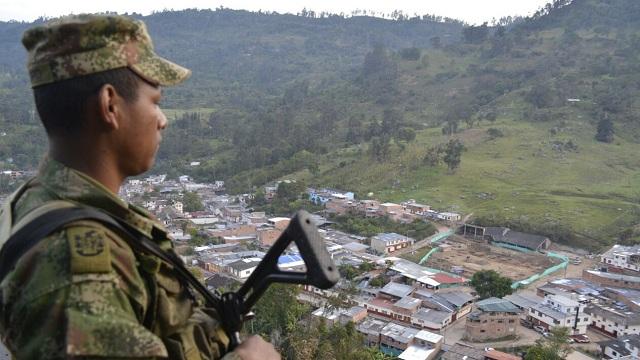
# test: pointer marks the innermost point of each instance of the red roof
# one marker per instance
(499, 355)
(443, 278)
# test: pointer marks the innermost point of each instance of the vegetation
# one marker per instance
(371, 226)
(278, 318)
(488, 283)
(554, 347)
(191, 202)
(370, 105)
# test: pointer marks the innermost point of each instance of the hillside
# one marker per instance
(359, 103)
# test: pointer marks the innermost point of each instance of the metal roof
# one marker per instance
(397, 290)
(494, 304)
(506, 235)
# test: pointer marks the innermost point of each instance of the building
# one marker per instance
(371, 329)
(388, 243)
(614, 320)
(610, 279)
(514, 239)
(394, 211)
(623, 257)
(626, 347)
(493, 319)
(241, 269)
(408, 343)
(449, 216)
(425, 346)
(416, 209)
(561, 310)
(267, 236)
(459, 351)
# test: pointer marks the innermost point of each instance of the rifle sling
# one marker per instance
(32, 233)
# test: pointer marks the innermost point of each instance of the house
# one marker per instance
(387, 243)
(524, 301)
(371, 328)
(393, 211)
(368, 207)
(466, 352)
(561, 310)
(626, 347)
(220, 281)
(614, 320)
(449, 216)
(610, 279)
(395, 338)
(455, 303)
(242, 268)
(493, 319)
(416, 209)
(517, 240)
(279, 223)
(431, 319)
(267, 236)
(339, 206)
(623, 257)
(425, 346)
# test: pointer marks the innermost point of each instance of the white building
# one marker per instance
(449, 216)
(624, 257)
(624, 348)
(241, 269)
(387, 243)
(561, 310)
(614, 321)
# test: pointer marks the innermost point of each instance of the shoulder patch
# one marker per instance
(89, 249)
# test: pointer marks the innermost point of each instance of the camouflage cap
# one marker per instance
(80, 45)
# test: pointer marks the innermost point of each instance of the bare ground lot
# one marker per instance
(473, 256)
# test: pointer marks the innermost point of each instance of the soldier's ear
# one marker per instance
(110, 107)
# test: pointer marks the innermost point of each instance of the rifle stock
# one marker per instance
(321, 272)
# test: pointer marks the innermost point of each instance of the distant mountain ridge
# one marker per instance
(368, 105)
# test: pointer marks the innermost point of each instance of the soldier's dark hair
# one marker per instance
(61, 105)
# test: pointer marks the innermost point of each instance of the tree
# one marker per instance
(488, 283)
(475, 34)
(453, 154)
(192, 202)
(555, 347)
(605, 130)
(540, 96)
(406, 134)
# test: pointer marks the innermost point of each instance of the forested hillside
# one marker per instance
(530, 123)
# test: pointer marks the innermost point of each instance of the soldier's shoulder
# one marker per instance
(79, 247)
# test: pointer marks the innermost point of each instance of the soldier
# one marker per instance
(82, 292)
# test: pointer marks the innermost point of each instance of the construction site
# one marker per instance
(463, 256)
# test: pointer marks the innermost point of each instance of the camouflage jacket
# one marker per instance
(83, 293)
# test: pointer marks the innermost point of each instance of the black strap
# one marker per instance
(32, 233)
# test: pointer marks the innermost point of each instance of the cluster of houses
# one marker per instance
(408, 315)
(340, 203)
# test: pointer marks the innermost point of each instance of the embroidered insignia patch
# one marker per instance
(89, 250)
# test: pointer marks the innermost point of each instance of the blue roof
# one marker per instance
(286, 259)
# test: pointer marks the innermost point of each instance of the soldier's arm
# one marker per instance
(77, 294)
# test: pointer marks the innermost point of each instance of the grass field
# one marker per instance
(594, 189)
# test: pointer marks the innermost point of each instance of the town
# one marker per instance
(414, 297)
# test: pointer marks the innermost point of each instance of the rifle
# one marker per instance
(321, 272)
(233, 307)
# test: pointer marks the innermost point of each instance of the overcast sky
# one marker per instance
(471, 11)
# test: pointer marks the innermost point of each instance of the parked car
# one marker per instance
(539, 329)
(583, 339)
(546, 334)
(526, 323)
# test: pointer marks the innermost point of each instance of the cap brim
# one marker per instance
(160, 71)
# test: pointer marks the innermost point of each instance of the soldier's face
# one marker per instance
(143, 122)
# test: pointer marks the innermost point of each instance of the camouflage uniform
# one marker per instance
(82, 292)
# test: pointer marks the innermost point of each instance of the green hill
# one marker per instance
(358, 103)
